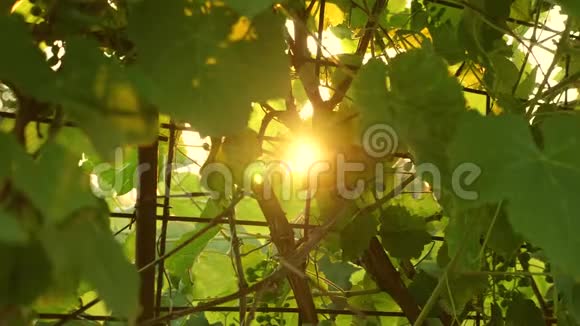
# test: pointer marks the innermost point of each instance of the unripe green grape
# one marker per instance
(35, 11)
(52, 61)
(524, 282)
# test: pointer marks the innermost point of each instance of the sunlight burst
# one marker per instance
(331, 44)
(307, 111)
(301, 155)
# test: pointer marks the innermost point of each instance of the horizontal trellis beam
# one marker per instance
(372, 313)
(223, 221)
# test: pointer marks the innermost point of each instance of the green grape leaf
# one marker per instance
(446, 42)
(76, 141)
(213, 275)
(421, 289)
(249, 8)
(523, 312)
(462, 236)
(97, 93)
(23, 66)
(369, 92)
(197, 320)
(425, 206)
(379, 301)
(339, 272)
(238, 152)
(572, 7)
(526, 87)
(418, 16)
(120, 177)
(25, 273)
(405, 107)
(356, 236)
(208, 65)
(569, 288)
(357, 15)
(396, 6)
(403, 235)
(502, 238)
(478, 36)
(460, 290)
(522, 10)
(13, 155)
(348, 62)
(503, 75)
(180, 263)
(86, 248)
(535, 181)
(565, 319)
(467, 226)
(249, 209)
(59, 192)
(435, 106)
(344, 5)
(11, 231)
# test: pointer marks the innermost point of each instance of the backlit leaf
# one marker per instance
(97, 258)
(97, 91)
(59, 193)
(534, 181)
(180, 263)
(11, 231)
(356, 236)
(403, 235)
(572, 7)
(250, 8)
(200, 73)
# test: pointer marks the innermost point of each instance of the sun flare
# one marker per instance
(307, 111)
(302, 154)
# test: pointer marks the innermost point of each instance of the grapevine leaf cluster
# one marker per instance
(491, 85)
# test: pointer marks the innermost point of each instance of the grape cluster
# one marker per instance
(258, 272)
(270, 320)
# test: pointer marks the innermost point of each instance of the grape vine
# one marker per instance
(309, 162)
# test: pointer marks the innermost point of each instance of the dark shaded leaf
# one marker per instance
(95, 257)
(403, 235)
(60, 192)
(356, 236)
(25, 273)
(208, 65)
(524, 312)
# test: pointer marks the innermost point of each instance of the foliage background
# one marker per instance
(491, 82)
